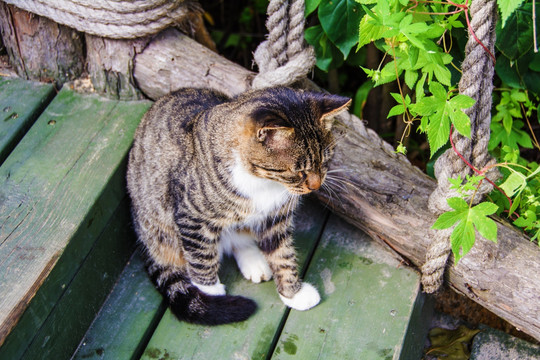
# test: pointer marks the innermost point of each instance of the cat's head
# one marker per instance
(288, 138)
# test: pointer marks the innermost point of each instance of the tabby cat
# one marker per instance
(209, 175)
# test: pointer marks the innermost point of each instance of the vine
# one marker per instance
(421, 55)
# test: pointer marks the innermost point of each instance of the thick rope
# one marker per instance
(284, 57)
(117, 19)
(476, 82)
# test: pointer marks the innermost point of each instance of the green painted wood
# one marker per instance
(251, 339)
(127, 319)
(59, 187)
(367, 300)
(75, 310)
(21, 102)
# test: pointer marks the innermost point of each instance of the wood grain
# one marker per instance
(384, 194)
(17, 116)
(58, 190)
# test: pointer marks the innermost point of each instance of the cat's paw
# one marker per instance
(216, 289)
(252, 264)
(304, 299)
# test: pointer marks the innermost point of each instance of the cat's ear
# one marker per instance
(275, 137)
(331, 105)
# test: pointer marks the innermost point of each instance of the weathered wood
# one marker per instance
(384, 194)
(17, 116)
(58, 190)
(128, 318)
(251, 339)
(71, 316)
(368, 300)
(40, 49)
(110, 66)
(166, 65)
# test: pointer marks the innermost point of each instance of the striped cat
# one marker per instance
(209, 175)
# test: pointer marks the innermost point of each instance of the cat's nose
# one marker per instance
(313, 182)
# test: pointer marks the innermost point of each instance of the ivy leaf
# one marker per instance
(340, 20)
(466, 220)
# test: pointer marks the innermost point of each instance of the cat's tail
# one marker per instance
(190, 304)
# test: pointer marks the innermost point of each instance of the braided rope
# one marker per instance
(476, 82)
(117, 19)
(284, 57)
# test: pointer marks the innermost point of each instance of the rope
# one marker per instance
(284, 57)
(117, 19)
(476, 82)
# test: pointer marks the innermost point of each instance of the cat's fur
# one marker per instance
(209, 175)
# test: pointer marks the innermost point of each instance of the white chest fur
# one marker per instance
(265, 195)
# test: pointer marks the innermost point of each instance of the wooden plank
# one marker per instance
(367, 300)
(60, 186)
(21, 102)
(127, 320)
(76, 309)
(250, 339)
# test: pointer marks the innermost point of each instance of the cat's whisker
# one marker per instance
(345, 183)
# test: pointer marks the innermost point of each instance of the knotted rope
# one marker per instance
(284, 57)
(117, 19)
(476, 82)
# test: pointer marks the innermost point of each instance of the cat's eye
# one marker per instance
(303, 175)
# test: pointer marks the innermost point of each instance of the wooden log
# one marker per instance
(381, 192)
(110, 66)
(40, 49)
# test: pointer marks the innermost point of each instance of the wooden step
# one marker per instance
(371, 308)
(64, 235)
(21, 102)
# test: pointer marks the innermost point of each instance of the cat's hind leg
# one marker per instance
(249, 258)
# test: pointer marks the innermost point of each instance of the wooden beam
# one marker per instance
(381, 193)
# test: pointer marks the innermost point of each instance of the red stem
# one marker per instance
(479, 172)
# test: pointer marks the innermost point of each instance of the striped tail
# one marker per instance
(190, 304)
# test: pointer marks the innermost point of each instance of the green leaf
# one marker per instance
(516, 38)
(369, 31)
(462, 238)
(457, 203)
(466, 220)
(515, 183)
(446, 220)
(507, 7)
(410, 78)
(325, 51)
(340, 20)
(311, 5)
(479, 217)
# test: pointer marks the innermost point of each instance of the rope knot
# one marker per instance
(284, 57)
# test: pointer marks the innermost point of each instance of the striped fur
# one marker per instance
(203, 164)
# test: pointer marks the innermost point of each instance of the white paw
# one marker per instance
(216, 289)
(252, 264)
(305, 299)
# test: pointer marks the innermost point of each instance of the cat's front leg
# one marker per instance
(251, 262)
(277, 244)
(201, 252)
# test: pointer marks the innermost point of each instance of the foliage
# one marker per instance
(422, 43)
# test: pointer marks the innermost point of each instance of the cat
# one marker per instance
(210, 175)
